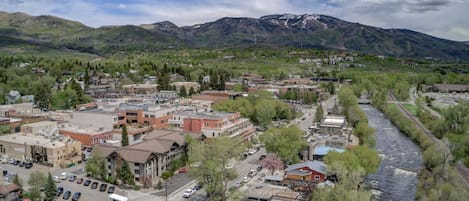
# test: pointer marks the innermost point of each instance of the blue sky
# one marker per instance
(442, 18)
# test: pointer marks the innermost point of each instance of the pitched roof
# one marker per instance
(105, 150)
(6, 189)
(317, 166)
(137, 156)
(166, 135)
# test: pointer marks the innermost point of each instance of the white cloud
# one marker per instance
(442, 18)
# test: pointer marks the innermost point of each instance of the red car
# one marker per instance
(79, 181)
(183, 170)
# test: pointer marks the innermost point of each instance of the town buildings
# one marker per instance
(40, 142)
(187, 85)
(305, 176)
(147, 159)
(133, 89)
(213, 124)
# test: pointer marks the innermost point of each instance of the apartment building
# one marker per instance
(147, 159)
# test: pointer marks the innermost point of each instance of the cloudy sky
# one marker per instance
(442, 18)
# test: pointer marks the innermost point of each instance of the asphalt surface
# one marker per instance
(87, 194)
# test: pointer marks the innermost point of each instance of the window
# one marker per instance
(317, 177)
(137, 171)
(137, 164)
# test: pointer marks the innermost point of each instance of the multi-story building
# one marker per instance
(36, 144)
(187, 85)
(156, 116)
(213, 124)
(147, 159)
(100, 119)
(133, 89)
(88, 137)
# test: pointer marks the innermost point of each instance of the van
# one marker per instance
(115, 197)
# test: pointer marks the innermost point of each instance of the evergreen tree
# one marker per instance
(50, 190)
(331, 88)
(102, 169)
(125, 174)
(191, 91)
(183, 92)
(125, 136)
(87, 77)
(221, 84)
(319, 113)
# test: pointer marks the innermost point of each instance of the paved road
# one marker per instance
(88, 194)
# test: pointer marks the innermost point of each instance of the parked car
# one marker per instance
(252, 173)
(183, 170)
(63, 175)
(94, 185)
(28, 165)
(111, 189)
(262, 157)
(79, 181)
(103, 187)
(56, 179)
(197, 187)
(21, 164)
(188, 193)
(72, 178)
(60, 190)
(246, 179)
(16, 162)
(87, 182)
(66, 195)
(237, 184)
(11, 161)
(259, 168)
(252, 151)
(76, 196)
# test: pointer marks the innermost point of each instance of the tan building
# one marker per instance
(140, 88)
(186, 85)
(38, 145)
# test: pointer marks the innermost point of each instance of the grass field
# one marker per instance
(411, 108)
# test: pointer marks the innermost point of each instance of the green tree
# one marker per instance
(125, 174)
(50, 189)
(183, 92)
(286, 142)
(264, 112)
(191, 91)
(330, 88)
(319, 114)
(213, 156)
(125, 136)
(237, 87)
(36, 180)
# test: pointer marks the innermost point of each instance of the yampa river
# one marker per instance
(401, 160)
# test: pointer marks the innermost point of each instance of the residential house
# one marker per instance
(305, 175)
(10, 192)
(320, 151)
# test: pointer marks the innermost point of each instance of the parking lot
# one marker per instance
(87, 194)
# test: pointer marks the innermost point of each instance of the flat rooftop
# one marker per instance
(41, 123)
(30, 139)
(84, 131)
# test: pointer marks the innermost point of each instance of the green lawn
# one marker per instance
(411, 108)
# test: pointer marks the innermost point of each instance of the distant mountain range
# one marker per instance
(307, 31)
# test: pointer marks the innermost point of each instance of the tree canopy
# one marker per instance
(286, 142)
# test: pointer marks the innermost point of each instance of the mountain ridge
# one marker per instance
(283, 30)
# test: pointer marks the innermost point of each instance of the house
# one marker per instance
(13, 97)
(10, 192)
(147, 159)
(306, 174)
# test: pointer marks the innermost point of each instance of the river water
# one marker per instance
(401, 160)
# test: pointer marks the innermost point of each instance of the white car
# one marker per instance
(229, 166)
(188, 193)
(57, 179)
(63, 175)
(252, 151)
(246, 179)
(252, 173)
